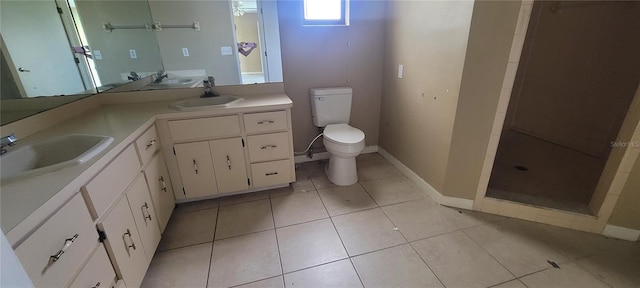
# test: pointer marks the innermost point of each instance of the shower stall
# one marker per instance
(578, 72)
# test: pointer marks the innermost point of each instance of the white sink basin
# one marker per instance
(52, 155)
(206, 103)
(177, 81)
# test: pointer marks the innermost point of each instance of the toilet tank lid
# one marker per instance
(330, 91)
(343, 133)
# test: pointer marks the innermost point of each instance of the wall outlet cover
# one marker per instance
(133, 54)
(226, 50)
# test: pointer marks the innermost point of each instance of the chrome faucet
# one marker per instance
(208, 87)
(9, 140)
(133, 76)
(160, 75)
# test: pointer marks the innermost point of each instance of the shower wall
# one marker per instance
(578, 72)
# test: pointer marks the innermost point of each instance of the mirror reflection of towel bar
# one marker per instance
(110, 27)
(158, 26)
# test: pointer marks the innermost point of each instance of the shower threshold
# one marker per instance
(540, 201)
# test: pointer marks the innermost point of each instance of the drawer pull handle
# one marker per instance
(195, 166)
(150, 144)
(266, 122)
(67, 243)
(97, 285)
(269, 147)
(164, 185)
(133, 245)
(228, 162)
(271, 174)
(146, 206)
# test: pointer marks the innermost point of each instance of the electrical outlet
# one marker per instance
(185, 52)
(133, 54)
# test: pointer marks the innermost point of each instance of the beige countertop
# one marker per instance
(28, 202)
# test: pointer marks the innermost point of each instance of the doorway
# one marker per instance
(578, 72)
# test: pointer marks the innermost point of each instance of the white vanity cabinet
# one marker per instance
(219, 155)
(57, 250)
(160, 188)
(98, 271)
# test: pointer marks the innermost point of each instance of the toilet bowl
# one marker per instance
(343, 143)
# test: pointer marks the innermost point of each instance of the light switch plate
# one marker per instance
(97, 55)
(133, 54)
(400, 71)
(226, 50)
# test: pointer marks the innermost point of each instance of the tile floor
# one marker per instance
(380, 232)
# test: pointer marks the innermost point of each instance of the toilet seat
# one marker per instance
(343, 134)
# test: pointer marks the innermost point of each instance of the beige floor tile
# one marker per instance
(303, 182)
(419, 219)
(309, 244)
(298, 208)
(196, 205)
(275, 282)
(244, 218)
(459, 262)
(321, 181)
(615, 270)
(370, 169)
(392, 190)
(193, 262)
(520, 255)
(241, 198)
(511, 284)
(189, 228)
(466, 218)
(569, 275)
(244, 259)
(367, 231)
(394, 267)
(346, 199)
(338, 274)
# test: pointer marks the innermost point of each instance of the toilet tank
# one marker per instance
(330, 105)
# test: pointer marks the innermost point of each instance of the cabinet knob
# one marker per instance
(65, 246)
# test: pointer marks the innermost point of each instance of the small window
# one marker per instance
(326, 12)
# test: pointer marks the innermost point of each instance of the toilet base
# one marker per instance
(342, 171)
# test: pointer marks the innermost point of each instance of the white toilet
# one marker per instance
(331, 108)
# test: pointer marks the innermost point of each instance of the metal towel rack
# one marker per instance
(110, 27)
(157, 26)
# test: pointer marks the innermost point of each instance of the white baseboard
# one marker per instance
(430, 191)
(325, 155)
(621, 233)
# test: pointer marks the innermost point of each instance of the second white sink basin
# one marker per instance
(206, 103)
(52, 155)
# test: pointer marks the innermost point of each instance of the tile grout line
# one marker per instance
(342, 242)
(213, 244)
(275, 232)
(488, 253)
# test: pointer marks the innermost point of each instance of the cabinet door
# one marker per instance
(124, 244)
(144, 215)
(161, 190)
(196, 169)
(97, 273)
(229, 164)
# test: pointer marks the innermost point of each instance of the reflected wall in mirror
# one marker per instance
(73, 52)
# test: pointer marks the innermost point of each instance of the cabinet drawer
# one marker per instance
(204, 128)
(105, 188)
(268, 147)
(147, 144)
(265, 122)
(55, 236)
(97, 273)
(271, 173)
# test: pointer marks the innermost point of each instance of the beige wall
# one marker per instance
(626, 212)
(492, 29)
(578, 73)
(320, 56)
(430, 39)
(115, 45)
(247, 31)
(216, 30)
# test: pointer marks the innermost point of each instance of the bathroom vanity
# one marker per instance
(99, 223)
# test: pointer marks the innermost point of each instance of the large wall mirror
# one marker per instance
(57, 51)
